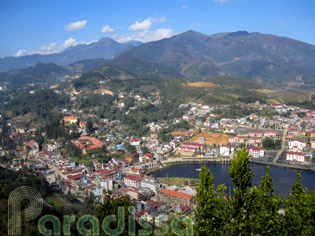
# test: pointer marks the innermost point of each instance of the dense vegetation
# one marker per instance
(41, 103)
(252, 210)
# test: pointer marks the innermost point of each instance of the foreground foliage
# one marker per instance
(252, 211)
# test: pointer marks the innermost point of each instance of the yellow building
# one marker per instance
(70, 120)
(312, 134)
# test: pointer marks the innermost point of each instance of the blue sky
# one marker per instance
(47, 26)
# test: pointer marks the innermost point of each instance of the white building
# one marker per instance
(150, 183)
(295, 156)
(107, 184)
(297, 145)
(135, 142)
(225, 150)
(256, 152)
(133, 181)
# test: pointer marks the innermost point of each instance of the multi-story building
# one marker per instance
(256, 152)
(150, 183)
(175, 198)
(133, 181)
(297, 145)
(295, 156)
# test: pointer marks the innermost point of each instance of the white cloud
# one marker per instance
(144, 25)
(107, 29)
(21, 52)
(51, 48)
(70, 42)
(145, 36)
(185, 6)
(76, 25)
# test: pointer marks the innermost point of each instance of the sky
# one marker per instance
(50, 26)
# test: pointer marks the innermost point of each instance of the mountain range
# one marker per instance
(105, 48)
(276, 62)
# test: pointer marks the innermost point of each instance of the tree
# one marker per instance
(89, 126)
(242, 176)
(264, 207)
(299, 210)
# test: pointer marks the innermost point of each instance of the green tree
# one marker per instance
(89, 126)
(242, 176)
(264, 205)
(299, 210)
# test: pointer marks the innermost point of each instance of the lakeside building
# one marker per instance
(256, 152)
(295, 156)
(175, 198)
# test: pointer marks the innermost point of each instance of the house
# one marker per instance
(69, 120)
(82, 125)
(313, 144)
(295, 156)
(145, 158)
(135, 142)
(311, 114)
(225, 150)
(175, 198)
(185, 117)
(297, 145)
(151, 183)
(20, 130)
(107, 184)
(114, 174)
(136, 171)
(256, 152)
(255, 141)
(133, 181)
(271, 134)
(312, 134)
(121, 104)
(255, 133)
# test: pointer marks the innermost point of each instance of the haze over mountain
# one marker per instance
(105, 48)
(276, 62)
(271, 60)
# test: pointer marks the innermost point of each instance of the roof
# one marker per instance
(176, 194)
(154, 204)
(297, 140)
(133, 177)
(31, 143)
(271, 131)
(295, 153)
(95, 141)
(148, 155)
(141, 213)
(74, 177)
(70, 118)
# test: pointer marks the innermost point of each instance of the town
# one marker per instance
(98, 158)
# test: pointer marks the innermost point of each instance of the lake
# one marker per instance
(283, 178)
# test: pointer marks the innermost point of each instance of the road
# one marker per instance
(282, 146)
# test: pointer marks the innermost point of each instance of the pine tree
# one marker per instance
(242, 176)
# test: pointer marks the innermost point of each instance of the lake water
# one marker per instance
(283, 178)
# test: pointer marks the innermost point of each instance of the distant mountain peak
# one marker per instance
(237, 34)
